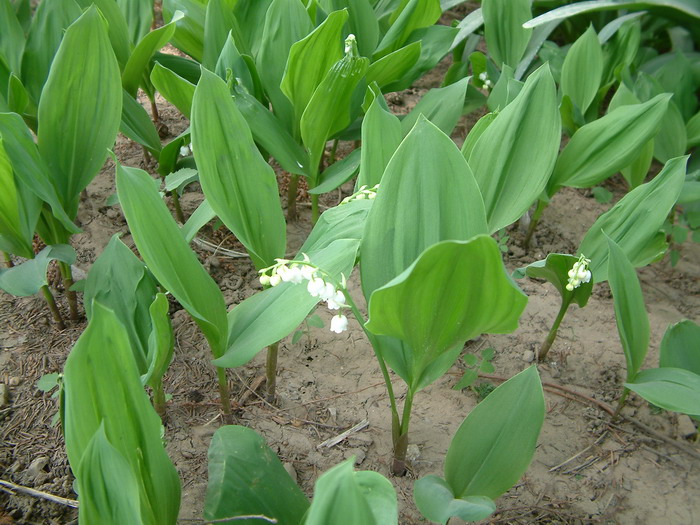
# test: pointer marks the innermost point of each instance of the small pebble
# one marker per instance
(528, 356)
(686, 428)
(14, 381)
(412, 453)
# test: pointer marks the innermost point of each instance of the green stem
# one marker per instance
(67, 275)
(541, 206)
(224, 394)
(334, 149)
(292, 197)
(552, 335)
(621, 403)
(271, 371)
(8, 260)
(178, 209)
(401, 441)
(53, 307)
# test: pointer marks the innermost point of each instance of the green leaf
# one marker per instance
(103, 388)
(161, 342)
(189, 35)
(603, 147)
(109, 490)
(353, 498)
(138, 126)
(338, 173)
(181, 178)
(246, 477)
(630, 312)
(143, 52)
(219, 22)
(286, 22)
(680, 347)
(693, 130)
(671, 140)
(583, 70)
(12, 40)
(602, 195)
(555, 269)
(441, 301)
(175, 89)
(27, 278)
(476, 132)
(467, 379)
(393, 66)
(634, 222)
(441, 106)
(416, 14)
(240, 186)
(381, 135)
(434, 499)
(330, 109)
(138, 15)
(510, 177)
(672, 389)
(80, 107)
(315, 321)
(118, 31)
(48, 382)
(167, 255)
(494, 445)
(506, 38)
(636, 172)
(310, 59)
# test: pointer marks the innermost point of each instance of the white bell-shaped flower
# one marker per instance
(339, 323)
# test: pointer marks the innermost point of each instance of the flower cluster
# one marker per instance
(579, 274)
(285, 271)
(363, 193)
(487, 84)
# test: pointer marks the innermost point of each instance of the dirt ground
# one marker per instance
(585, 470)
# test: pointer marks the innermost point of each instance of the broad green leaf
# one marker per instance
(167, 255)
(219, 22)
(476, 132)
(140, 57)
(630, 312)
(672, 138)
(108, 488)
(189, 35)
(139, 17)
(286, 22)
(494, 445)
(183, 67)
(251, 17)
(672, 389)
(48, 26)
(454, 291)
(247, 478)
(583, 70)
(138, 126)
(506, 38)
(505, 90)
(342, 495)
(270, 133)
(693, 131)
(310, 59)
(393, 66)
(634, 222)
(273, 314)
(555, 269)
(175, 89)
(435, 500)
(119, 281)
(27, 278)
(441, 106)
(178, 180)
(338, 173)
(199, 218)
(603, 147)
(169, 160)
(636, 172)
(240, 186)
(29, 168)
(416, 14)
(231, 59)
(80, 107)
(427, 195)
(621, 52)
(381, 135)
(12, 39)
(676, 76)
(680, 347)
(510, 175)
(362, 22)
(103, 388)
(118, 30)
(330, 109)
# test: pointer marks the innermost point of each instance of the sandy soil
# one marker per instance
(586, 469)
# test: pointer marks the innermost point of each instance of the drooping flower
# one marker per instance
(337, 301)
(316, 286)
(579, 274)
(339, 323)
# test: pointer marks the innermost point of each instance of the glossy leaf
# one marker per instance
(240, 186)
(555, 269)
(416, 14)
(393, 66)
(510, 175)
(103, 388)
(247, 478)
(634, 222)
(310, 59)
(137, 125)
(353, 498)
(381, 135)
(435, 500)
(143, 52)
(494, 445)
(453, 292)
(599, 149)
(161, 342)
(680, 347)
(168, 257)
(583, 70)
(506, 37)
(27, 278)
(669, 388)
(219, 21)
(630, 313)
(80, 107)
(189, 35)
(175, 89)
